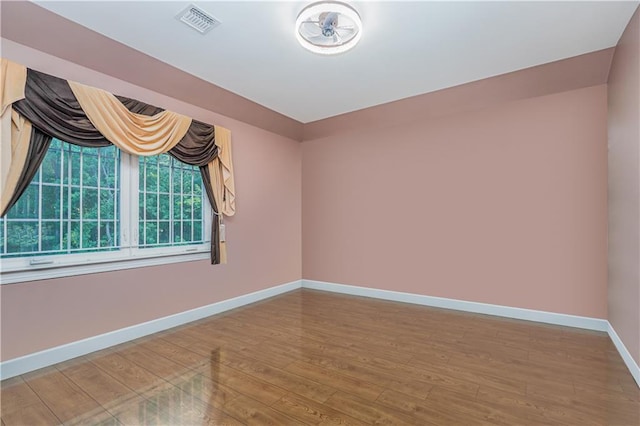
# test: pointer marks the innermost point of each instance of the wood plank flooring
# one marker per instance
(314, 358)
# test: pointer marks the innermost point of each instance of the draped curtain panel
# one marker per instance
(37, 107)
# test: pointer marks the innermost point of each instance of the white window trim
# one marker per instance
(44, 272)
(21, 269)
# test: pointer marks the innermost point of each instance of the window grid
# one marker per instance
(69, 199)
(181, 204)
(192, 212)
(144, 198)
(4, 240)
(56, 176)
(179, 229)
(99, 198)
(61, 199)
(158, 201)
(40, 213)
(81, 199)
(172, 236)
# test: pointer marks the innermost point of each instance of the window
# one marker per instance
(90, 206)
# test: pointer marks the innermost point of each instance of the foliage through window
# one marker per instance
(79, 203)
(170, 202)
(70, 206)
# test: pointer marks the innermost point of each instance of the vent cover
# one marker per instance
(198, 19)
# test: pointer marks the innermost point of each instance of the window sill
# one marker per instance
(43, 272)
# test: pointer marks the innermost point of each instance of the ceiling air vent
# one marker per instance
(198, 19)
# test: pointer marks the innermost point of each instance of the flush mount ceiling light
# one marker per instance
(328, 27)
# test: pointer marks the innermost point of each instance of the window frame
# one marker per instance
(130, 255)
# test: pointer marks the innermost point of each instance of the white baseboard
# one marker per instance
(462, 305)
(624, 353)
(47, 357)
(489, 309)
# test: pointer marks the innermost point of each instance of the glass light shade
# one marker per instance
(310, 35)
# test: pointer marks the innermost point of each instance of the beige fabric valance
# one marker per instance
(12, 82)
(20, 137)
(224, 181)
(15, 131)
(133, 133)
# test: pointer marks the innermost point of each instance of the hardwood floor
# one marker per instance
(316, 358)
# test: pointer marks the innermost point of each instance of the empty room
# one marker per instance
(322, 212)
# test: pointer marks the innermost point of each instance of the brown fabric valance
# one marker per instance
(45, 107)
(34, 145)
(49, 104)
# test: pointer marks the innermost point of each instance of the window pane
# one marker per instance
(27, 206)
(165, 235)
(107, 205)
(108, 234)
(151, 233)
(89, 203)
(89, 235)
(72, 238)
(177, 231)
(186, 183)
(22, 237)
(75, 203)
(50, 202)
(151, 175)
(165, 178)
(177, 180)
(51, 236)
(177, 210)
(197, 230)
(151, 208)
(60, 209)
(89, 168)
(50, 167)
(197, 207)
(107, 171)
(165, 207)
(74, 160)
(187, 203)
(186, 231)
(164, 160)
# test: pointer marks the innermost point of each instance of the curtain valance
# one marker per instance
(37, 107)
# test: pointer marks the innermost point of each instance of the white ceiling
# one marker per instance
(407, 48)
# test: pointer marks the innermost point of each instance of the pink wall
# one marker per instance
(624, 188)
(264, 240)
(573, 73)
(505, 204)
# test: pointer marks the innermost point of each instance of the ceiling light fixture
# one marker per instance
(328, 27)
